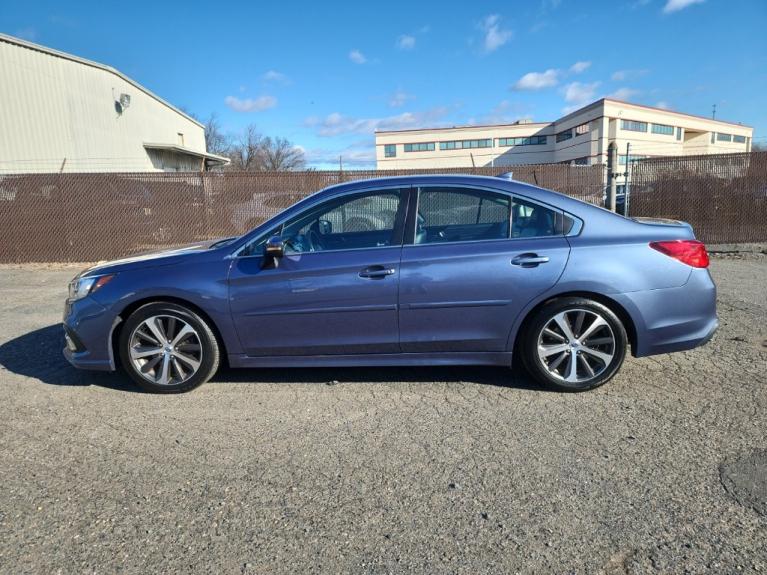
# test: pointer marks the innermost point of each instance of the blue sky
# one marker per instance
(327, 75)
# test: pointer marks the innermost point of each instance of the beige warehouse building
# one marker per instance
(61, 113)
(584, 137)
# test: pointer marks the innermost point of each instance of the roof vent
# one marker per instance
(506, 175)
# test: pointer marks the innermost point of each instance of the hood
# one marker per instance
(156, 258)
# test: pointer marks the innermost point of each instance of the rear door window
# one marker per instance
(461, 215)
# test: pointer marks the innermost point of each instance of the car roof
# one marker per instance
(531, 191)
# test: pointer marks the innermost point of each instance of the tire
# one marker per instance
(167, 348)
(553, 340)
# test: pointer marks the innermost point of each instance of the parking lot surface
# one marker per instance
(427, 470)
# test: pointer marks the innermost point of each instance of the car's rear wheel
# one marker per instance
(574, 344)
(167, 348)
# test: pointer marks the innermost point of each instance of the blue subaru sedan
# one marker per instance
(417, 270)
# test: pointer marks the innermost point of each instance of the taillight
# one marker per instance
(690, 252)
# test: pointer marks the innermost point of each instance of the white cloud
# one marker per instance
(677, 5)
(337, 124)
(275, 76)
(505, 112)
(360, 154)
(399, 98)
(537, 80)
(578, 94)
(623, 75)
(357, 57)
(580, 67)
(624, 94)
(663, 105)
(549, 78)
(406, 42)
(495, 36)
(27, 33)
(250, 105)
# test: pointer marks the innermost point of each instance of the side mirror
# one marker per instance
(275, 247)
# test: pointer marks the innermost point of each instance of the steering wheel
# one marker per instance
(313, 240)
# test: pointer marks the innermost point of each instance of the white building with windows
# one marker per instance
(585, 136)
(62, 113)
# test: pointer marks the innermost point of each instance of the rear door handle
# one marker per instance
(529, 260)
(377, 272)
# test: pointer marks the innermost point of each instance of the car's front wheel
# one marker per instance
(167, 348)
(574, 344)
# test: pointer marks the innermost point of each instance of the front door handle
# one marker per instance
(529, 260)
(377, 272)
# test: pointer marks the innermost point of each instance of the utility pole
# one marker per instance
(340, 163)
(613, 176)
(626, 181)
(713, 112)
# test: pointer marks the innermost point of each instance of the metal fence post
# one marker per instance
(612, 200)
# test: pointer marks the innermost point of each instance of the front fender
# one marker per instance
(203, 284)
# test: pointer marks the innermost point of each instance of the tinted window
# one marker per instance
(461, 215)
(529, 220)
(350, 222)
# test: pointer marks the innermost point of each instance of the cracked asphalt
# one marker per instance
(428, 470)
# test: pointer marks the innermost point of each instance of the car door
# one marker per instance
(472, 259)
(334, 291)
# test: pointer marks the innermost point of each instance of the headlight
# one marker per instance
(82, 286)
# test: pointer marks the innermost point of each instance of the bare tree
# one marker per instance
(279, 154)
(757, 147)
(216, 141)
(245, 151)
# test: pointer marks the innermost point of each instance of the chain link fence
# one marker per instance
(86, 217)
(723, 196)
(96, 216)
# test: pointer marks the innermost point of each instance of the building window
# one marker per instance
(739, 139)
(713, 137)
(566, 135)
(582, 129)
(632, 158)
(465, 144)
(663, 129)
(420, 147)
(723, 137)
(633, 126)
(679, 133)
(390, 151)
(180, 139)
(527, 141)
(581, 161)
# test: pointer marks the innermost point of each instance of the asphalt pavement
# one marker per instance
(384, 470)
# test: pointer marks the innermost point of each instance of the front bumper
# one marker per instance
(88, 328)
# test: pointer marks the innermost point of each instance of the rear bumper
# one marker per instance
(673, 319)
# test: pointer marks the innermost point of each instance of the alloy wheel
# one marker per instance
(576, 345)
(165, 350)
